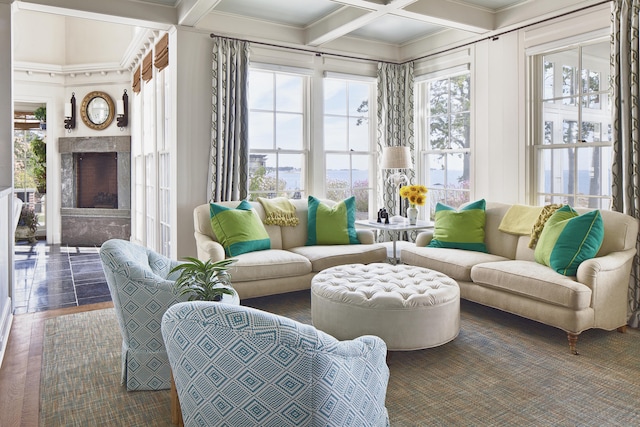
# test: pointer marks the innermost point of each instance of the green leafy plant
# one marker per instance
(41, 114)
(39, 163)
(28, 218)
(205, 281)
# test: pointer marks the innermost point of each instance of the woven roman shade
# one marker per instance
(135, 83)
(162, 53)
(147, 69)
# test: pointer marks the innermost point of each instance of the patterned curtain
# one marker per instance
(395, 122)
(229, 158)
(626, 127)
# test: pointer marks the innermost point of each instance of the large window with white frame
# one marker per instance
(444, 131)
(278, 129)
(349, 141)
(572, 137)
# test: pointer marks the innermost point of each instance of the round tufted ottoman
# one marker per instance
(408, 307)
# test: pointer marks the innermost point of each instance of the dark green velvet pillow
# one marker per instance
(463, 229)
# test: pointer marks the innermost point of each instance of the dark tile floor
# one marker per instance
(57, 276)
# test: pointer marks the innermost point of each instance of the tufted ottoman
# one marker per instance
(408, 307)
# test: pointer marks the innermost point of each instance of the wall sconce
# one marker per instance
(122, 111)
(70, 113)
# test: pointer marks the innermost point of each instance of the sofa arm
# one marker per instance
(608, 278)
(424, 237)
(366, 237)
(589, 270)
(208, 249)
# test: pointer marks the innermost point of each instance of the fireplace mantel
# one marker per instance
(93, 226)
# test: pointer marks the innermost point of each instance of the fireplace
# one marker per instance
(96, 193)
(96, 180)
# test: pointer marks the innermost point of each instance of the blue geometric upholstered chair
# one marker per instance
(238, 366)
(141, 290)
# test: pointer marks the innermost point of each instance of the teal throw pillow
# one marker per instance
(331, 225)
(463, 229)
(239, 230)
(567, 239)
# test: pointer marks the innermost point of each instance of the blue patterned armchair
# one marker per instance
(141, 290)
(238, 366)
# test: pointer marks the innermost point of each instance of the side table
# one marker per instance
(396, 229)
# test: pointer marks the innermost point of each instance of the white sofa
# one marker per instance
(289, 265)
(508, 278)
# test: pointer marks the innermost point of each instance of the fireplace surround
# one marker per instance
(96, 189)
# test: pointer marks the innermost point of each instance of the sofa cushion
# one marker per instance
(331, 225)
(238, 230)
(533, 280)
(455, 263)
(568, 239)
(463, 229)
(274, 263)
(322, 257)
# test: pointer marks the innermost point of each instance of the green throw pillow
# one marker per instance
(238, 230)
(567, 239)
(332, 226)
(463, 229)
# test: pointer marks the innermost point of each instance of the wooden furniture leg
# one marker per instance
(176, 412)
(573, 340)
(622, 329)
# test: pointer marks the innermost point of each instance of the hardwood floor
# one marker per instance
(20, 371)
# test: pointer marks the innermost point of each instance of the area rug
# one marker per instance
(501, 370)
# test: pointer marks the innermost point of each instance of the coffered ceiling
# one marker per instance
(394, 30)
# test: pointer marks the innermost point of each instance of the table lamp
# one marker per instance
(397, 158)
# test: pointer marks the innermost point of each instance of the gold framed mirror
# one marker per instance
(97, 110)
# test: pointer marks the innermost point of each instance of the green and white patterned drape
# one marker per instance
(626, 127)
(395, 121)
(229, 152)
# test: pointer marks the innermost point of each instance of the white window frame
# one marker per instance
(306, 113)
(371, 152)
(425, 150)
(537, 117)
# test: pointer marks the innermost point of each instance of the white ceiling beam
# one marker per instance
(190, 12)
(118, 11)
(451, 15)
(354, 15)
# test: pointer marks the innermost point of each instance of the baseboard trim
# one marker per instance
(6, 318)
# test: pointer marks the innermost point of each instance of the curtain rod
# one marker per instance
(495, 37)
(492, 37)
(300, 49)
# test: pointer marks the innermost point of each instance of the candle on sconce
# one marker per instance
(67, 109)
(119, 107)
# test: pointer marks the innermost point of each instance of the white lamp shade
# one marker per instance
(67, 109)
(396, 158)
(120, 107)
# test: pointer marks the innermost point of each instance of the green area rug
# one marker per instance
(501, 370)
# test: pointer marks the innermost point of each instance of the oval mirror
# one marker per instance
(97, 110)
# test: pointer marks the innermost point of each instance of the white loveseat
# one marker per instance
(508, 278)
(289, 265)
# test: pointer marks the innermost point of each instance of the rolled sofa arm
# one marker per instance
(424, 238)
(366, 237)
(208, 248)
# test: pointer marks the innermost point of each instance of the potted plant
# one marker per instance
(205, 281)
(41, 114)
(27, 224)
(39, 163)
